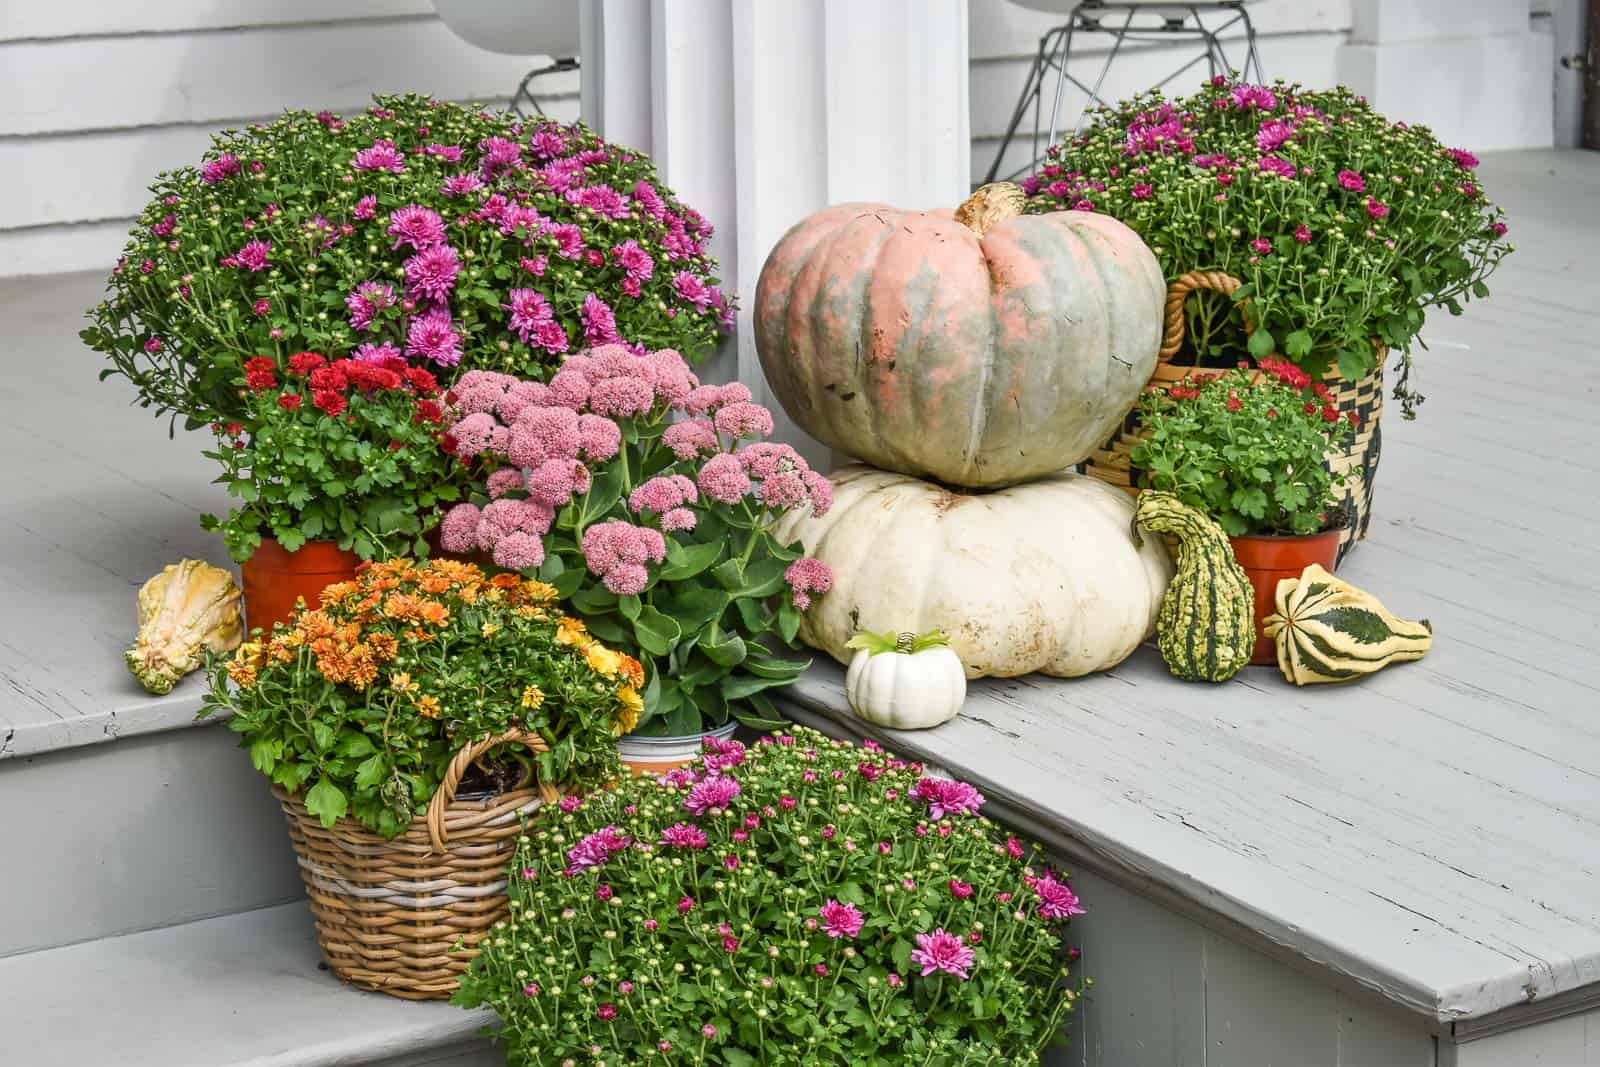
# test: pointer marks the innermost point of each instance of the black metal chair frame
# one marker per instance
(524, 98)
(1140, 23)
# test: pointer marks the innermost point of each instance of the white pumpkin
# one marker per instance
(1038, 577)
(906, 681)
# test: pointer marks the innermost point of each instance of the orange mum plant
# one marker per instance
(359, 703)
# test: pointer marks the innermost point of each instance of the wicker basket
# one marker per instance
(390, 912)
(1110, 462)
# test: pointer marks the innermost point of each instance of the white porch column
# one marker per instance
(763, 111)
(1471, 69)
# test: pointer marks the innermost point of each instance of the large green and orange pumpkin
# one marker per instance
(979, 347)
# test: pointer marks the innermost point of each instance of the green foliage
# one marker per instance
(777, 922)
(360, 704)
(1368, 224)
(1253, 456)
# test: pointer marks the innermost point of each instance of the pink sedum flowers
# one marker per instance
(791, 903)
(649, 499)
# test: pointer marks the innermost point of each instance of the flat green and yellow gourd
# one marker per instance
(187, 610)
(1327, 630)
(1206, 627)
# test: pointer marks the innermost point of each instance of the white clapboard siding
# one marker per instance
(143, 80)
(104, 174)
(97, 97)
(67, 175)
(23, 19)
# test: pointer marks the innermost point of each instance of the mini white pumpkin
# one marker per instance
(906, 681)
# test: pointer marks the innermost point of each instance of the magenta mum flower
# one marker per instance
(945, 797)
(942, 951)
(1056, 901)
(383, 155)
(634, 261)
(252, 257)
(416, 226)
(595, 849)
(529, 311)
(1274, 135)
(840, 920)
(433, 337)
(1350, 180)
(431, 274)
(684, 835)
(708, 793)
(599, 322)
(226, 166)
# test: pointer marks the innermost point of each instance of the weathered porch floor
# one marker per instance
(1432, 833)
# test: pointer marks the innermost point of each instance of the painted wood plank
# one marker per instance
(115, 82)
(50, 250)
(1254, 1017)
(1570, 1042)
(1146, 1007)
(94, 18)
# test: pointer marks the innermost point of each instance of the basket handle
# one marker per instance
(1178, 292)
(446, 793)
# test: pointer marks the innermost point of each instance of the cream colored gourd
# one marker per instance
(188, 609)
(904, 681)
(1327, 630)
(1038, 577)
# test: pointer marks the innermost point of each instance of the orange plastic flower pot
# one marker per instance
(1266, 559)
(274, 580)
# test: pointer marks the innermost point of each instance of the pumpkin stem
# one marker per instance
(905, 642)
(990, 206)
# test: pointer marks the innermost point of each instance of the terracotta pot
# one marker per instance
(656, 755)
(275, 579)
(1267, 558)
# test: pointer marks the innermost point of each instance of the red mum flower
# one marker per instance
(429, 411)
(289, 401)
(422, 381)
(305, 362)
(328, 380)
(330, 402)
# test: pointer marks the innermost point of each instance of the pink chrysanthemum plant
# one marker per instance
(802, 901)
(1344, 227)
(648, 500)
(456, 238)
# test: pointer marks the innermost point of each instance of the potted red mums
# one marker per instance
(649, 501)
(803, 901)
(334, 462)
(1251, 452)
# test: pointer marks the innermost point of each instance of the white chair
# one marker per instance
(1124, 21)
(518, 28)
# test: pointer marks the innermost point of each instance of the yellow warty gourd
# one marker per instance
(1327, 630)
(188, 609)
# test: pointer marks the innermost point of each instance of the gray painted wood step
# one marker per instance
(153, 830)
(241, 990)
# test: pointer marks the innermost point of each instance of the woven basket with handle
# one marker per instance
(1110, 462)
(390, 911)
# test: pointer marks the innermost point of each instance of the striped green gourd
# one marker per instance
(1206, 627)
(1327, 630)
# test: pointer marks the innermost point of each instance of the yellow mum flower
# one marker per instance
(428, 706)
(401, 682)
(629, 706)
(570, 631)
(245, 663)
(532, 697)
(602, 659)
(490, 629)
